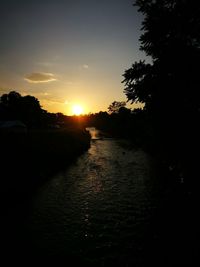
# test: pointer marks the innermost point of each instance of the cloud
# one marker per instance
(85, 66)
(39, 77)
(52, 101)
(45, 64)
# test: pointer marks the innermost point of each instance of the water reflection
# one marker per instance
(98, 210)
(95, 133)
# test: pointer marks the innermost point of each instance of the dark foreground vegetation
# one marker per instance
(169, 85)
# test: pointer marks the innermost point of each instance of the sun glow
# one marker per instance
(77, 110)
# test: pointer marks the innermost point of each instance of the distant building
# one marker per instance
(13, 126)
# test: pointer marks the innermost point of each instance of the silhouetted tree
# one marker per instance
(25, 108)
(169, 86)
(171, 37)
(124, 112)
(115, 106)
(11, 98)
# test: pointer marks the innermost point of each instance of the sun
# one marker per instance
(77, 110)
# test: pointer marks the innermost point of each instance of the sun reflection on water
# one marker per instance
(93, 132)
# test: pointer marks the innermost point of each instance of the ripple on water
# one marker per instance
(98, 208)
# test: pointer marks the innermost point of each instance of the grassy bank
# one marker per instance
(28, 159)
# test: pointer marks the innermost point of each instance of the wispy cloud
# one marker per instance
(45, 64)
(36, 94)
(40, 77)
(85, 66)
(52, 101)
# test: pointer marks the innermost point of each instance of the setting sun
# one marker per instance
(77, 110)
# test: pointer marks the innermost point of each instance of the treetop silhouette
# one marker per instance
(169, 85)
(171, 36)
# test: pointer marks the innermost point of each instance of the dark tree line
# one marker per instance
(27, 109)
(169, 86)
(118, 121)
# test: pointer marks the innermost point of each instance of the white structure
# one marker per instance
(13, 126)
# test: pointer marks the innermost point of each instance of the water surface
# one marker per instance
(99, 210)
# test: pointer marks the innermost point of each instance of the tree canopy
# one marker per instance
(25, 108)
(171, 37)
(115, 106)
(169, 85)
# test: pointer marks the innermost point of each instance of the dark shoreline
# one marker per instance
(30, 159)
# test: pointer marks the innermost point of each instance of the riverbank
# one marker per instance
(29, 158)
(28, 161)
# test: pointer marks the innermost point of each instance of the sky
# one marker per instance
(67, 52)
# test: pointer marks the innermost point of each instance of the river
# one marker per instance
(99, 210)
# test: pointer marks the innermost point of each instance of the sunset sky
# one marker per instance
(68, 52)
